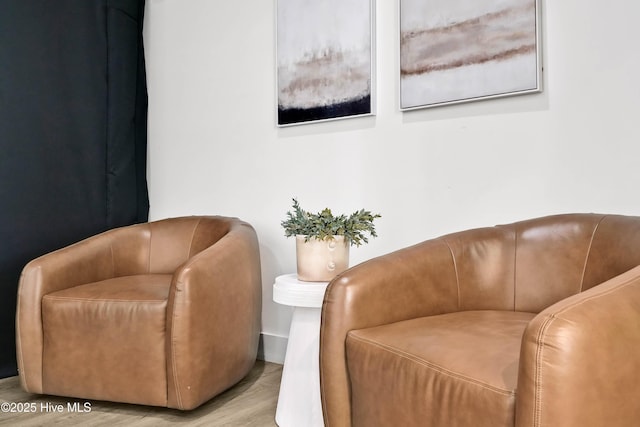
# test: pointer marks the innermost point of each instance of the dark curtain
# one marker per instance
(73, 108)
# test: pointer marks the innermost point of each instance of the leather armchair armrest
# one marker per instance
(410, 283)
(579, 362)
(213, 311)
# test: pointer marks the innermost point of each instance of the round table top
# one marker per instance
(288, 290)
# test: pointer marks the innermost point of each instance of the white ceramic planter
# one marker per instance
(321, 260)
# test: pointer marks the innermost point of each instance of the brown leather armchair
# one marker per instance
(535, 323)
(165, 313)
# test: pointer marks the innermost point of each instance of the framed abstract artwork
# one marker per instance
(454, 51)
(324, 60)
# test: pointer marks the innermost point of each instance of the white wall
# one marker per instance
(214, 147)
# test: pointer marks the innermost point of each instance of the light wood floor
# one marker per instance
(252, 403)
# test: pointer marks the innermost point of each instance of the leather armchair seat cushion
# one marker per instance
(455, 369)
(95, 335)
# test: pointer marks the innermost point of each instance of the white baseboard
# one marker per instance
(272, 348)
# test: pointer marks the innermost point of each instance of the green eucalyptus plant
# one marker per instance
(323, 225)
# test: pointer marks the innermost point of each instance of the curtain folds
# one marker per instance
(73, 141)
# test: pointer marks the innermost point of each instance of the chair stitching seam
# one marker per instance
(455, 269)
(113, 260)
(586, 259)
(434, 366)
(149, 252)
(193, 234)
(515, 267)
(174, 373)
(537, 406)
(51, 297)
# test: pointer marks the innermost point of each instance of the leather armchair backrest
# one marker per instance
(483, 261)
(529, 265)
(551, 255)
(614, 250)
(174, 241)
(160, 247)
(129, 249)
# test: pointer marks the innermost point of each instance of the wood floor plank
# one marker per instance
(250, 403)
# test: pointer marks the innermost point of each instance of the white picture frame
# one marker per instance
(325, 60)
(454, 51)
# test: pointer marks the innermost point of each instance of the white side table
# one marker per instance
(299, 400)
